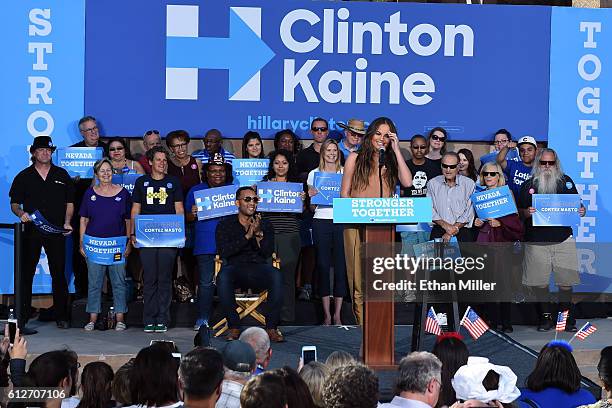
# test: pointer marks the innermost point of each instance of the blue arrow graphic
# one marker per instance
(243, 53)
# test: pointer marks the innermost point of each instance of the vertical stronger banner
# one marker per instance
(42, 43)
(580, 125)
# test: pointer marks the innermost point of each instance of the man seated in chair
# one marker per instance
(245, 242)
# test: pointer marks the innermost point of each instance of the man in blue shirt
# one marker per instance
(213, 142)
(518, 170)
(500, 140)
(354, 131)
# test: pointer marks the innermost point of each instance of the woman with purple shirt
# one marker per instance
(105, 213)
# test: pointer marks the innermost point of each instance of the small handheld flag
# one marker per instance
(562, 320)
(474, 323)
(431, 324)
(584, 331)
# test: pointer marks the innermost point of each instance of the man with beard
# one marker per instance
(552, 249)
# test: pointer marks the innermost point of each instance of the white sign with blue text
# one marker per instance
(216, 202)
(280, 197)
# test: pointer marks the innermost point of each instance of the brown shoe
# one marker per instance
(275, 335)
(232, 334)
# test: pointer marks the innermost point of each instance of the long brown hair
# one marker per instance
(365, 157)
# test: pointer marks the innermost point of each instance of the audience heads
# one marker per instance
(201, 374)
(265, 390)
(450, 165)
(605, 368)
(98, 165)
(547, 172)
(466, 163)
(96, 385)
(501, 139)
(420, 373)
(492, 175)
(418, 147)
(453, 353)
(287, 140)
(158, 151)
(246, 201)
(217, 172)
(118, 149)
(282, 164)
(89, 130)
(437, 139)
(238, 360)
(298, 394)
(54, 369)
(314, 375)
(212, 141)
(121, 384)
(153, 379)
(259, 340)
(319, 129)
(352, 386)
(555, 367)
(339, 358)
(329, 153)
(178, 142)
(485, 382)
(252, 146)
(527, 149)
(151, 139)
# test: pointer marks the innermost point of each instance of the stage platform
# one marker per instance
(518, 351)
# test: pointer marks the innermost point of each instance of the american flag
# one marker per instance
(431, 324)
(587, 329)
(474, 324)
(562, 320)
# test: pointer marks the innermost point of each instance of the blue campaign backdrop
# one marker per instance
(580, 91)
(42, 80)
(423, 65)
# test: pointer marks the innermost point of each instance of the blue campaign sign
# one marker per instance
(554, 210)
(248, 172)
(127, 180)
(261, 64)
(44, 226)
(105, 251)
(427, 249)
(216, 202)
(161, 230)
(78, 161)
(328, 187)
(280, 197)
(382, 210)
(494, 203)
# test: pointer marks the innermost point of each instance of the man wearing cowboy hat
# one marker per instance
(354, 131)
(50, 190)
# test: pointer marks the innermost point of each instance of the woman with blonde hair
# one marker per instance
(314, 375)
(328, 237)
(365, 176)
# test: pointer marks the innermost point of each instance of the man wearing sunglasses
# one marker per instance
(354, 131)
(450, 193)
(245, 242)
(308, 159)
(150, 140)
(519, 169)
(551, 249)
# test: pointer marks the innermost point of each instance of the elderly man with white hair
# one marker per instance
(419, 381)
(257, 338)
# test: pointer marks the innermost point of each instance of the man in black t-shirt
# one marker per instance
(421, 167)
(308, 159)
(552, 249)
(48, 189)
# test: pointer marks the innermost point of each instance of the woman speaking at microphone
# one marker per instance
(373, 171)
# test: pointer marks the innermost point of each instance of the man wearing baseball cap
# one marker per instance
(239, 364)
(354, 131)
(50, 190)
(519, 169)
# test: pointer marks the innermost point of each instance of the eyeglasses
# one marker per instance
(548, 162)
(449, 166)
(93, 129)
(440, 138)
(498, 142)
(319, 129)
(249, 199)
(179, 145)
(150, 132)
(419, 147)
(490, 173)
(113, 149)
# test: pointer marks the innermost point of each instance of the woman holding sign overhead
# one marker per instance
(507, 228)
(328, 237)
(286, 228)
(366, 176)
(105, 219)
(157, 194)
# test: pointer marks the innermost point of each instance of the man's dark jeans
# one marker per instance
(254, 276)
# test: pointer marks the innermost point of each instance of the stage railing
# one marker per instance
(17, 268)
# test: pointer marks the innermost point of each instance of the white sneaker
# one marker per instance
(90, 326)
(120, 326)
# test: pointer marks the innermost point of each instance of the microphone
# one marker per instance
(381, 157)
